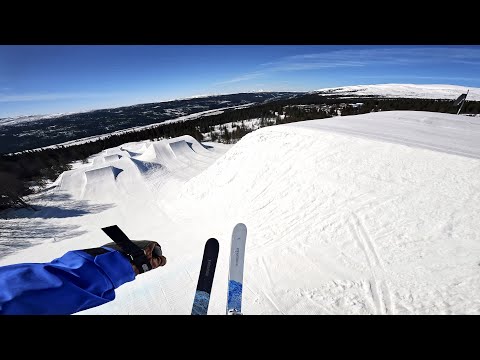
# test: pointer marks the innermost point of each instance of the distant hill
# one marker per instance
(428, 91)
(30, 132)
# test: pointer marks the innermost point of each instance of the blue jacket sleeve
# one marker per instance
(74, 282)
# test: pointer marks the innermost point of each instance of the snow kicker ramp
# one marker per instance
(178, 156)
(159, 169)
(342, 224)
(157, 152)
(105, 174)
(109, 158)
(184, 151)
(144, 167)
(98, 160)
(101, 181)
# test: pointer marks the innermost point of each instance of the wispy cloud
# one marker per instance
(245, 77)
(376, 56)
(468, 62)
(367, 57)
(52, 96)
(312, 65)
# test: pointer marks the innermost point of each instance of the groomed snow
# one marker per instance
(366, 214)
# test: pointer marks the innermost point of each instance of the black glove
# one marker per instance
(144, 256)
(155, 259)
(142, 244)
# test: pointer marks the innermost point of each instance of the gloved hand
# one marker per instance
(152, 250)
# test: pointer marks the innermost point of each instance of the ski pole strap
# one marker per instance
(137, 256)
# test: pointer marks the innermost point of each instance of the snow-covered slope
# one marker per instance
(426, 91)
(367, 214)
(28, 118)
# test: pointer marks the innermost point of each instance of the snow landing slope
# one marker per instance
(366, 214)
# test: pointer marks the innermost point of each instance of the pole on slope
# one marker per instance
(463, 102)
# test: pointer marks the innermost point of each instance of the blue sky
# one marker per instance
(46, 79)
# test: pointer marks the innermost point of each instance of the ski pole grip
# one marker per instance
(137, 255)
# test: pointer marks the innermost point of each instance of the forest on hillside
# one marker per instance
(23, 134)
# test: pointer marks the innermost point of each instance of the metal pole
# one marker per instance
(463, 102)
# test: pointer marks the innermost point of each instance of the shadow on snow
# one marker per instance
(22, 228)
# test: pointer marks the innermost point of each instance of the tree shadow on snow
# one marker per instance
(22, 234)
(22, 228)
(58, 206)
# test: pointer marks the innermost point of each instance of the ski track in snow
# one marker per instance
(270, 284)
(367, 214)
(382, 292)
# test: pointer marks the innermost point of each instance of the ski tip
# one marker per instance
(212, 242)
(241, 226)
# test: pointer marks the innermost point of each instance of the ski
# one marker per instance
(235, 273)
(205, 278)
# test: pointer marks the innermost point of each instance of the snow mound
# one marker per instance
(145, 167)
(102, 175)
(183, 155)
(161, 167)
(100, 182)
(109, 158)
(184, 151)
(132, 153)
(159, 152)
